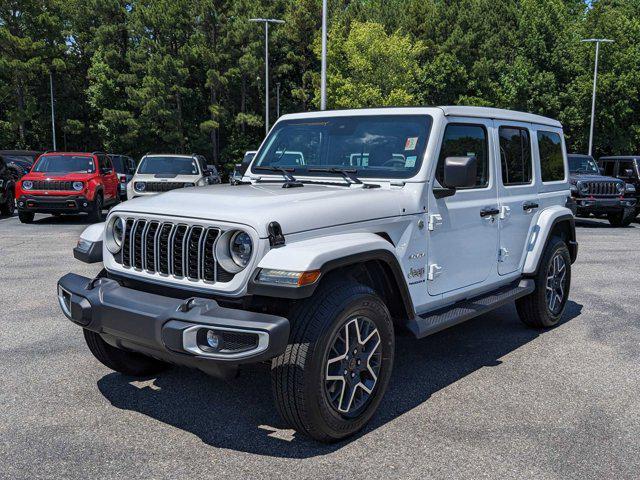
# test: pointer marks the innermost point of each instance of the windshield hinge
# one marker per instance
(434, 221)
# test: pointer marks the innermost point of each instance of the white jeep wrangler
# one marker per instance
(385, 219)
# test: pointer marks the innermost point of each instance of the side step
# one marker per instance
(432, 322)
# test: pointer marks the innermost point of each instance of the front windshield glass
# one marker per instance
(168, 165)
(583, 165)
(380, 146)
(65, 164)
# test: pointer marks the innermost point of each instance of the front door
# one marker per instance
(517, 190)
(463, 228)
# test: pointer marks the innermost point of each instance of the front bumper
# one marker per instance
(603, 205)
(170, 328)
(54, 203)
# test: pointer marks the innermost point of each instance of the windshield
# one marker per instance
(583, 164)
(65, 164)
(380, 146)
(169, 166)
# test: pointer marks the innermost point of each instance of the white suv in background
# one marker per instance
(380, 220)
(158, 173)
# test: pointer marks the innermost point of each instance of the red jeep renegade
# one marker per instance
(67, 183)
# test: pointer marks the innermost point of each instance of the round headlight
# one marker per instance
(140, 186)
(620, 187)
(233, 250)
(77, 186)
(27, 184)
(114, 234)
(241, 247)
(584, 188)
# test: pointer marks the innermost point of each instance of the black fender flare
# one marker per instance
(384, 256)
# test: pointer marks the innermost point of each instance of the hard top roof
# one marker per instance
(458, 111)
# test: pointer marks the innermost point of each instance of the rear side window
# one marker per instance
(465, 140)
(551, 162)
(515, 156)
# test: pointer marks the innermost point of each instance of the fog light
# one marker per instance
(85, 204)
(21, 204)
(213, 340)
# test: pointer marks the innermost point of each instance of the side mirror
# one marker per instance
(105, 171)
(206, 172)
(460, 172)
(628, 172)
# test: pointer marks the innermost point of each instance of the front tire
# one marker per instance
(128, 363)
(621, 219)
(96, 213)
(543, 308)
(9, 205)
(26, 217)
(335, 370)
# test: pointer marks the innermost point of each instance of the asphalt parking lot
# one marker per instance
(487, 399)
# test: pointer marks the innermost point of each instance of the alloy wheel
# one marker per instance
(352, 366)
(556, 283)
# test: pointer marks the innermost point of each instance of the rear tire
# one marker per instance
(543, 308)
(335, 370)
(26, 217)
(621, 219)
(128, 363)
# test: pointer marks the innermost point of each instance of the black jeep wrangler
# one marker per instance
(8, 177)
(627, 169)
(599, 195)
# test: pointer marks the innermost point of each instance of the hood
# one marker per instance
(165, 177)
(582, 177)
(66, 177)
(295, 209)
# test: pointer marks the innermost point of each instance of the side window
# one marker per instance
(465, 140)
(551, 162)
(609, 168)
(623, 167)
(515, 156)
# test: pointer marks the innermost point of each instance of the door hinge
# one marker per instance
(505, 212)
(434, 221)
(434, 271)
(503, 253)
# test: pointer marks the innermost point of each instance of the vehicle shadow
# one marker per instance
(240, 414)
(79, 219)
(601, 223)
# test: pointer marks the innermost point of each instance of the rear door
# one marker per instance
(463, 233)
(517, 192)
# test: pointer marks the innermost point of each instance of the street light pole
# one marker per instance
(323, 68)
(53, 111)
(266, 22)
(597, 41)
(278, 100)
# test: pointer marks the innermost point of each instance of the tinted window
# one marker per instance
(65, 164)
(118, 163)
(378, 146)
(609, 168)
(623, 166)
(515, 156)
(551, 163)
(168, 165)
(465, 141)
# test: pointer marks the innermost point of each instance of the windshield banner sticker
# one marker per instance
(410, 162)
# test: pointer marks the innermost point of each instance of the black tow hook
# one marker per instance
(191, 303)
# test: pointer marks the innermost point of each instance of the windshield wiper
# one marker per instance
(290, 180)
(347, 173)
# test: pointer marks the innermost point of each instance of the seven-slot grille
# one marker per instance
(164, 186)
(52, 185)
(602, 188)
(172, 249)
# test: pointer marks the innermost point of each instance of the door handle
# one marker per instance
(529, 206)
(489, 211)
